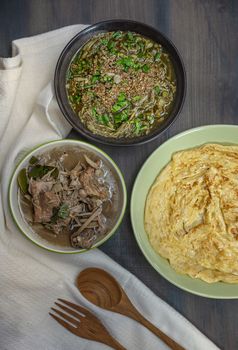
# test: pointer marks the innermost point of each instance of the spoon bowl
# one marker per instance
(99, 288)
(103, 290)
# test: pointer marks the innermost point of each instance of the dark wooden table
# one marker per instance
(206, 34)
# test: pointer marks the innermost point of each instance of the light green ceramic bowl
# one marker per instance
(26, 229)
(225, 134)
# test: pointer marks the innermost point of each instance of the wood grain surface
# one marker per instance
(206, 34)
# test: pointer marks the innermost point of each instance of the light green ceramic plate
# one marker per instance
(225, 134)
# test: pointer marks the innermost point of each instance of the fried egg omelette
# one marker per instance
(191, 213)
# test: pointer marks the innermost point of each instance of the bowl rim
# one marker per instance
(141, 140)
(93, 148)
(140, 243)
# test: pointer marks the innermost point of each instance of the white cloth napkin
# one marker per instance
(31, 279)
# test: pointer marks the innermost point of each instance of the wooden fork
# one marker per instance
(83, 323)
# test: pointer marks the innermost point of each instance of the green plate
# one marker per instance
(225, 134)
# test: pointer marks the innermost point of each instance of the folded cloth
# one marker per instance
(31, 278)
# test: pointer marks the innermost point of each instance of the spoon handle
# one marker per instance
(128, 309)
(166, 339)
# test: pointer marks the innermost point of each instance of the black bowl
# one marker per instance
(114, 25)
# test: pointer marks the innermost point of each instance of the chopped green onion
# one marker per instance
(121, 97)
(157, 56)
(118, 106)
(104, 42)
(145, 68)
(111, 46)
(157, 89)
(136, 98)
(121, 117)
(117, 35)
(88, 86)
(126, 62)
(130, 36)
(138, 126)
(95, 78)
(103, 119)
(151, 119)
(94, 112)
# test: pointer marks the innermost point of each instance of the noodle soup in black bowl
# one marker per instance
(120, 82)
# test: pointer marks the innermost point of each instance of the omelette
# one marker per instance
(191, 213)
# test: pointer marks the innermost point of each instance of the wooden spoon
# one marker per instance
(100, 288)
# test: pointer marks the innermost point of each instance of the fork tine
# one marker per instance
(70, 311)
(66, 317)
(63, 323)
(77, 307)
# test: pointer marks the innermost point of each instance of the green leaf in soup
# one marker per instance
(60, 213)
(22, 180)
(38, 171)
(33, 160)
(63, 211)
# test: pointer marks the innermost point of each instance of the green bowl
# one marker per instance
(224, 134)
(26, 229)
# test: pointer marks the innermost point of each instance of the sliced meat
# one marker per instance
(44, 204)
(91, 186)
(43, 200)
(35, 187)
